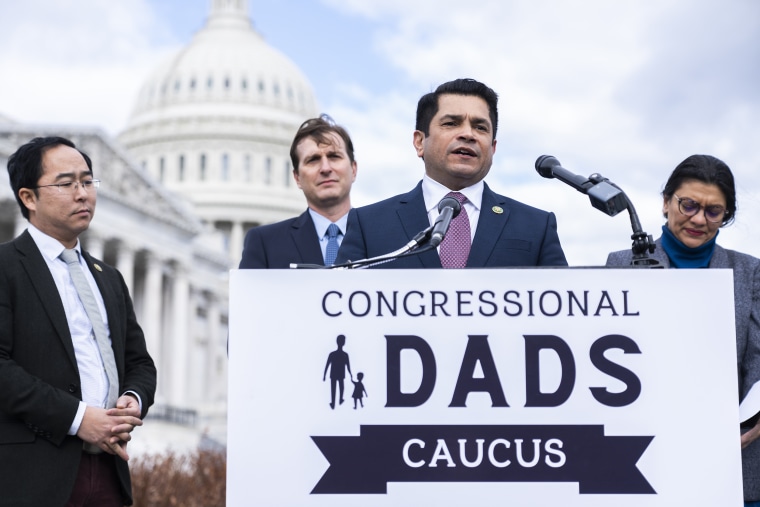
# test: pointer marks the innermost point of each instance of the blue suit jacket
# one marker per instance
(518, 236)
(280, 244)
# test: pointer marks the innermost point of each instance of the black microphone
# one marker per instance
(604, 195)
(549, 167)
(448, 208)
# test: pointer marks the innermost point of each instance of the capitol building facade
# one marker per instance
(204, 157)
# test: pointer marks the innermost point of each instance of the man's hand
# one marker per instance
(750, 436)
(125, 406)
(110, 429)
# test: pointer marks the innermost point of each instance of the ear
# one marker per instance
(297, 178)
(419, 143)
(28, 198)
(353, 171)
(665, 206)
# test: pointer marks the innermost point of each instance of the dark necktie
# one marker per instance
(455, 247)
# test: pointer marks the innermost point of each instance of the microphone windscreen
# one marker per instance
(451, 203)
(545, 165)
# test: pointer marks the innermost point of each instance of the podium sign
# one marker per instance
(535, 387)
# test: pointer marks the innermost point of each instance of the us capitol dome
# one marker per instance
(214, 124)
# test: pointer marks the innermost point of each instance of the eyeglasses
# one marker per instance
(689, 207)
(70, 187)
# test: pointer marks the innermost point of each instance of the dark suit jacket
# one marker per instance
(276, 246)
(40, 380)
(518, 236)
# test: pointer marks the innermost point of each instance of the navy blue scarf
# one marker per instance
(682, 256)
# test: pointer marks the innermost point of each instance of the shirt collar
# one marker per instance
(433, 192)
(321, 223)
(50, 247)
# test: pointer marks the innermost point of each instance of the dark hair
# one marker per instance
(25, 166)
(427, 107)
(708, 170)
(320, 129)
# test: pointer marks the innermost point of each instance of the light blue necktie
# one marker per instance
(71, 257)
(331, 252)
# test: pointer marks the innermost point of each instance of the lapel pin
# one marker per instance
(97, 267)
(498, 210)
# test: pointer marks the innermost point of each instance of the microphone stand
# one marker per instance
(643, 243)
(426, 240)
(608, 198)
(419, 244)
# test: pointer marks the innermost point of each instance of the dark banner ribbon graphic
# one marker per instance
(522, 453)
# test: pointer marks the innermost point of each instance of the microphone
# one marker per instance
(549, 167)
(604, 196)
(607, 197)
(430, 238)
(448, 208)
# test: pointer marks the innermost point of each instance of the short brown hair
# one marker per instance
(320, 129)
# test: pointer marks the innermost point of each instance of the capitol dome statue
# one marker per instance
(214, 125)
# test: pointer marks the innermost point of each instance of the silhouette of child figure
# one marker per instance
(359, 391)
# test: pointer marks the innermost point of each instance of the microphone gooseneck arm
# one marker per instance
(549, 167)
(606, 197)
(425, 240)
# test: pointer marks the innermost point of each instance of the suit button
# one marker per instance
(72, 388)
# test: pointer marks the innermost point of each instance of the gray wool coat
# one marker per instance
(747, 308)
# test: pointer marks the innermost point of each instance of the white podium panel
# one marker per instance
(536, 387)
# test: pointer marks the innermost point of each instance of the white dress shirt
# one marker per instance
(433, 192)
(321, 224)
(92, 375)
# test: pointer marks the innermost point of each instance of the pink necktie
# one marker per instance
(455, 247)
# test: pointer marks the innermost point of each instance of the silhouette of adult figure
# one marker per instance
(338, 363)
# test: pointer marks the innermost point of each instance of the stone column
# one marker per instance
(125, 263)
(236, 243)
(181, 312)
(213, 379)
(197, 383)
(95, 245)
(152, 312)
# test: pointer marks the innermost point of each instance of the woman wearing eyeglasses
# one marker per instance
(698, 199)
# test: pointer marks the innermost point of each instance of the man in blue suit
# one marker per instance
(456, 138)
(324, 168)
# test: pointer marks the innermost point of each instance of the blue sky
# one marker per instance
(626, 88)
(327, 44)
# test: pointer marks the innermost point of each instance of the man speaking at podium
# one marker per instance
(455, 137)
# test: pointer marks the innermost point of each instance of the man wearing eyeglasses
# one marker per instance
(75, 372)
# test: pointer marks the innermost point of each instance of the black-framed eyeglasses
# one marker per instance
(689, 207)
(70, 187)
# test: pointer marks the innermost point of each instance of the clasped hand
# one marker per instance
(110, 428)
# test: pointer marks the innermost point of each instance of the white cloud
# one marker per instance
(627, 89)
(79, 62)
